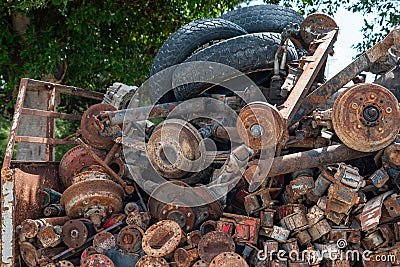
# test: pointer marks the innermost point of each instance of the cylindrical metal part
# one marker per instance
(313, 158)
(103, 241)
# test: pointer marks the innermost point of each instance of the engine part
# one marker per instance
(319, 229)
(208, 226)
(228, 259)
(340, 201)
(280, 234)
(258, 200)
(49, 236)
(130, 238)
(392, 206)
(260, 125)
(93, 131)
(75, 161)
(267, 218)
(294, 221)
(193, 238)
(366, 117)
(161, 238)
(185, 257)
(119, 95)
(174, 149)
(76, 232)
(183, 208)
(379, 177)
(92, 199)
(314, 215)
(147, 260)
(214, 243)
(349, 176)
(303, 237)
(298, 188)
(97, 260)
(244, 229)
(30, 228)
(103, 241)
(315, 25)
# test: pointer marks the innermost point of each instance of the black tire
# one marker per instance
(246, 53)
(263, 18)
(182, 43)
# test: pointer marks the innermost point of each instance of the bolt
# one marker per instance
(380, 129)
(164, 212)
(388, 110)
(359, 126)
(354, 105)
(371, 113)
(74, 233)
(189, 214)
(372, 96)
(256, 130)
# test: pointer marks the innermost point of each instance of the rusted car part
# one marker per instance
(147, 260)
(119, 95)
(372, 212)
(184, 208)
(315, 25)
(228, 259)
(161, 238)
(93, 131)
(103, 242)
(130, 238)
(259, 125)
(378, 53)
(366, 117)
(75, 161)
(243, 229)
(185, 257)
(128, 188)
(76, 232)
(92, 198)
(173, 147)
(30, 228)
(214, 243)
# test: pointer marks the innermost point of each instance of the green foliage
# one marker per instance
(101, 41)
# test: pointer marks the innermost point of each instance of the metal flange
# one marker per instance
(366, 117)
(174, 148)
(260, 125)
(74, 233)
(161, 238)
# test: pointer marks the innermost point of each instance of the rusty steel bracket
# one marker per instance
(312, 66)
(362, 63)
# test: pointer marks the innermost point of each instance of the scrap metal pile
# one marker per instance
(317, 172)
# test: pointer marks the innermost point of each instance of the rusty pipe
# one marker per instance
(313, 158)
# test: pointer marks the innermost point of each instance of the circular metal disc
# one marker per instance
(97, 260)
(147, 261)
(74, 233)
(103, 241)
(75, 161)
(316, 24)
(161, 238)
(228, 259)
(130, 238)
(90, 129)
(214, 243)
(179, 213)
(366, 117)
(260, 125)
(84, 194)
(173, 146)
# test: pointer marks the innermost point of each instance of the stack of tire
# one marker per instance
(245, 39)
